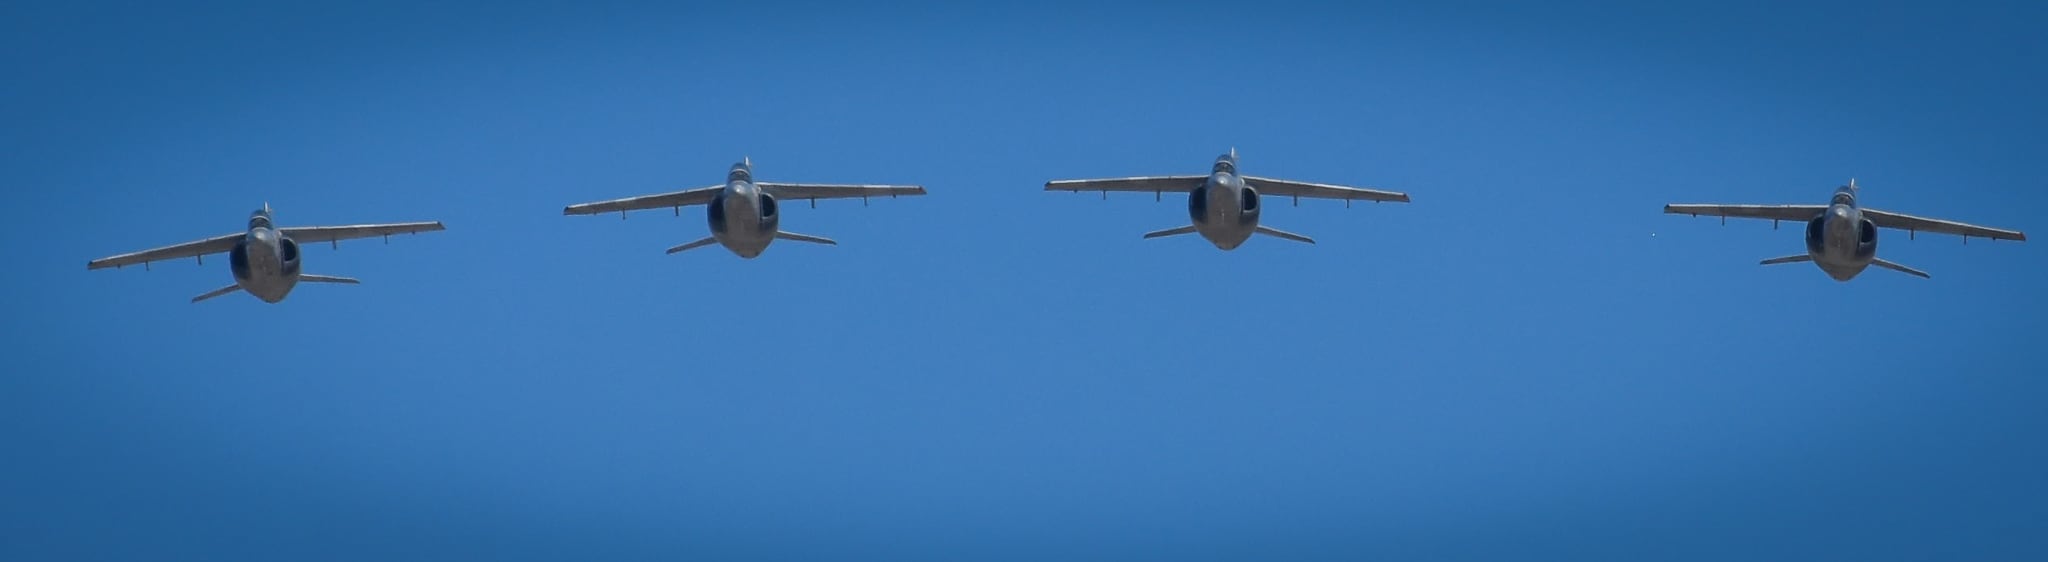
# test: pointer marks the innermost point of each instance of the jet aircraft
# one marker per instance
(744, 214)
(1224, 206)
(265, 259)
(1841, 236)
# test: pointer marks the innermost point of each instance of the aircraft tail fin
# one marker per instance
(706, 241)
(1176, 231)
(1787, 259)
(329, 279)
(787, 235)
(1900, 268)
(1277, 233)
(217, 292)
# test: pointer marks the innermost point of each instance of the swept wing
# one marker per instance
(1889, 219)
(816, 191)
(683, 198)
(194, 248)
(1146, 184)
(1284, 188)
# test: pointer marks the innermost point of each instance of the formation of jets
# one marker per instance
(1224, 206)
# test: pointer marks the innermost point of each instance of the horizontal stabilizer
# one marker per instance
(1177, 231)
(1900, 268)
(329, 279)
(706, 241)
(1277, 233)
(1787, 259)
(787, 235)
(217, 292)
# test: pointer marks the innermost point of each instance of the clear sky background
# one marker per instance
(1528, 362)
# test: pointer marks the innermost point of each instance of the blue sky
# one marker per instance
(1529, 362)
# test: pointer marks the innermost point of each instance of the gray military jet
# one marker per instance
(1841, 237)
(265, 259)
(744, 214)
(1223, 205)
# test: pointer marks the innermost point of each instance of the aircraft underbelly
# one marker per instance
(1839, 252)
(266, 279)
(743, 234)
(1224, 224)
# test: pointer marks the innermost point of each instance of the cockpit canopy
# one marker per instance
(740, 172)
(1845, 195)
(1227, 163)
(260, 219)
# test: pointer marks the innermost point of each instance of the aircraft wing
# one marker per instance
(1800, 213)
(1150, 184)
(1917, 224)
(1284, 188)
(815, 191)
(312, 234)
(194, 248)
(683, 198)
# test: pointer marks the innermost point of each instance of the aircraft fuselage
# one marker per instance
(1224, 210)
(265, 262)
(1840, 241)
(743, 218)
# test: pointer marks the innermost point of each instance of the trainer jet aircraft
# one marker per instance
(265, 259)
(1841, 237)
(1223, 205)
(744, 214)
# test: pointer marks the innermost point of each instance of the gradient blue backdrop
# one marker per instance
(1529, 362)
